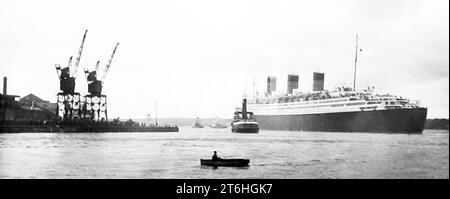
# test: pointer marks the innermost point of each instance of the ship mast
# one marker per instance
(156, 112)
(254, 91)
(356, 59)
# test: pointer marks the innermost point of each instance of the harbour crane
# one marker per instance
(68, 74)
(68, 101)
(94, 84)
(95, 103)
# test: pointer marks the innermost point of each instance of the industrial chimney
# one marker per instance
(271, 84)
(318, 79)
(292, 83)
(244, 109)
(5, 86)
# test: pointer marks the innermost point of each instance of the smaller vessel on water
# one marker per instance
(197, 123)
(244, 121)
(225, 162)
(218, 125)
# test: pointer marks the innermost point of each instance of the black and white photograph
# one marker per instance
(236, 89)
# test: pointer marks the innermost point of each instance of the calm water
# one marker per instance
(273, 154)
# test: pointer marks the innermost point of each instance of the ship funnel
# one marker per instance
(271, 84)
(5, 86)
(318, 80)
(292, 83)
(244, 109)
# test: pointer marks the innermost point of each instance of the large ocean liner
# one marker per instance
(341, 110)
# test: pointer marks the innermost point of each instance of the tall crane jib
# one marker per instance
(109, 63)
(80, 51)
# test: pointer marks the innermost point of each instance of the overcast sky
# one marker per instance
(198, 57)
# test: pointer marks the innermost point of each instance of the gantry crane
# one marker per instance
(95, 103)
(68, 101)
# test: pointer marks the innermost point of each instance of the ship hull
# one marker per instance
(243, 127)
(379, 121)
(244, 130)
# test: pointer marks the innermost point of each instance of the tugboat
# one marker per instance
(244, 121)
(197, 123)
(218, 125)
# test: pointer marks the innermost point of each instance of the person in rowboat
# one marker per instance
(215, 157)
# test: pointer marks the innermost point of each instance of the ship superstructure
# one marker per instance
(343, 110)
(329, 102)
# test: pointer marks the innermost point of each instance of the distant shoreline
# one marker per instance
(180, 121)
(437, 123)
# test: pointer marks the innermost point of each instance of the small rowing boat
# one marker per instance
(225, 162)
